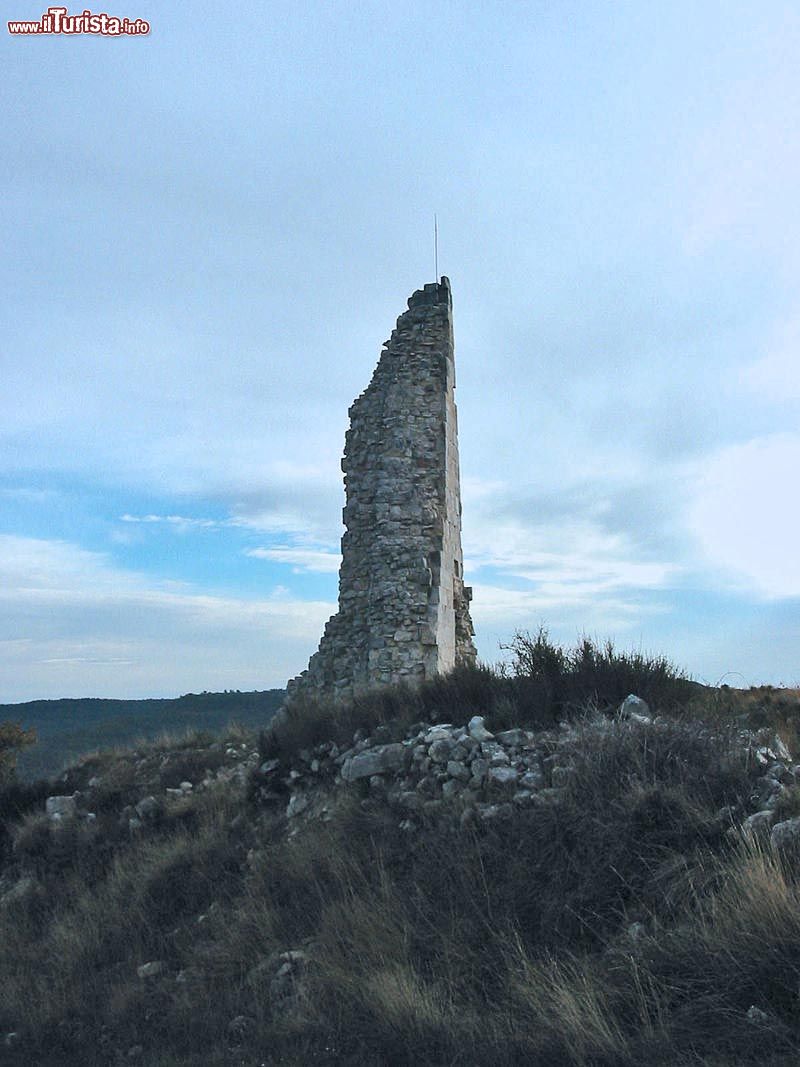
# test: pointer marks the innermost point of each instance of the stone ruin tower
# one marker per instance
(403, 606)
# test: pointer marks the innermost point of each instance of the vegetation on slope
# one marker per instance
(65, 729)
(626, 922)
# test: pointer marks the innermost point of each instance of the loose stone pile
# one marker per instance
(458, 768)
(773, 791)
(236, 762)
(485, 776)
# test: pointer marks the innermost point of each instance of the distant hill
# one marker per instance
(68, 728)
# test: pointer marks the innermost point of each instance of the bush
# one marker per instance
(16, 800)
(551, 681)
(12, 738)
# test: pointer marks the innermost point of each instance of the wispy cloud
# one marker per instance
(745, 514)
(65, 610)
(301, 559)
(177, 520)
(560, 554)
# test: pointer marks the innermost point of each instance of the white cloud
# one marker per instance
(746, 511)
(71, 623)
(177, 521)
(554, 563)
(569, 560)
(301, 559)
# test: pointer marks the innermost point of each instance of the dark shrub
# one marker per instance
(551, 681)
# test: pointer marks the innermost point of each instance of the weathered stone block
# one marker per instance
(63, 807)
(382, 760)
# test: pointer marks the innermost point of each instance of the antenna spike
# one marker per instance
(436, 246)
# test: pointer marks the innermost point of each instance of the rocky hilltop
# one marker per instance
(448, 771)
(531, 867)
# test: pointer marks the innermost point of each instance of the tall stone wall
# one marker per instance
(403, 606)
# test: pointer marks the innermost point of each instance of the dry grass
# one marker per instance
(504, 944)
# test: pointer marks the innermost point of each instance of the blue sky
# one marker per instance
(209, 232)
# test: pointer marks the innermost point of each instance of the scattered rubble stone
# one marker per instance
(148, 808)
(379, 760)
(759, 824)
(786, 835)
(297, 804)
(61, 807)
(469, 767)
(634, 709)
(477, 730)
(502, 776)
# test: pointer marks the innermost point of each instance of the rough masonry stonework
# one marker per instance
(403, 606)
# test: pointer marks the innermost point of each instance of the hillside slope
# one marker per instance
(489, 870)
(66, 729)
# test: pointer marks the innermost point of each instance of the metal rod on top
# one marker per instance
(436, 247)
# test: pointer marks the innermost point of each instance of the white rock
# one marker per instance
(634, 709)
(294, 956)
(151, 970)
(442, 750)
(502, 776)
(532, 780)
(298, 804)
(499, 759)
(456, 769)
(780, 749)
(511, 737)
(381, 760)
(758, 825)
(443, 732)
(148, 808)
(786, 834)
(477, 730)
(64, 807)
